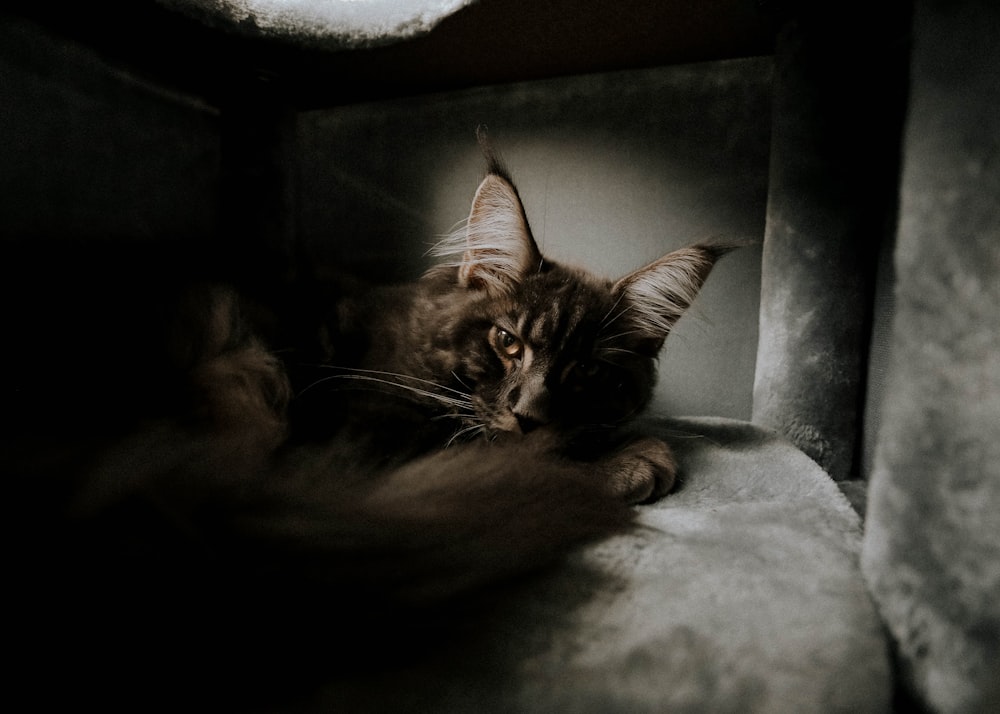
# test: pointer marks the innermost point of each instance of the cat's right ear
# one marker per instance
(499, 247)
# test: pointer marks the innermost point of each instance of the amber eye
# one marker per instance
(508, 344)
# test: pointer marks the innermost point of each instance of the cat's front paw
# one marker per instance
(642, 471)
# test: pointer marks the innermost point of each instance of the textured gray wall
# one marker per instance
(614, 169)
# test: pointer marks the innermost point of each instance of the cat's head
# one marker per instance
(549, 344)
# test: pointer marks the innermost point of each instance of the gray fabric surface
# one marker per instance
(932, 546)
(831, 197)
(338, 25)
(741, 592)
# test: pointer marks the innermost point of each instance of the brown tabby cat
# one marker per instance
(499, 341)
(463, 429)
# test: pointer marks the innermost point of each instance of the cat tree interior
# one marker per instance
(863, 332)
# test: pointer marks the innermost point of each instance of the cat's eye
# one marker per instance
(581, 373)
(508, 344)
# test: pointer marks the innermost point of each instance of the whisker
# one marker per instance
(459, 380)
(622, 350)
(609, 338)
(462, 432)
(464, 403)
(400, 375)
(438, 417)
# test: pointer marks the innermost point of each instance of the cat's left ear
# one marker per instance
(499, 248)
(657, 295)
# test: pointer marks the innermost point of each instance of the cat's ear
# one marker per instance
(499, 247)
(655, 297)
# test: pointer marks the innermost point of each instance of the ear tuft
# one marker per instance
(495, 250)
(499, 247)
(657, 295)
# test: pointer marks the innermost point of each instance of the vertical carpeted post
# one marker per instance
(931, 552)
(838, 97)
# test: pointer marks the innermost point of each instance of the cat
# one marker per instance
(458, 431)
(497, 341)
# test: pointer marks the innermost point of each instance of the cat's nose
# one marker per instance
(526, 423)
(530, 403)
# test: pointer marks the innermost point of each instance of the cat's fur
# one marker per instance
(580, 358)
(463, 429)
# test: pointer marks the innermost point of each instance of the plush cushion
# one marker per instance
(739, 592)
(334, 25)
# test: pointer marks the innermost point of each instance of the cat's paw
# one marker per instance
(642, 471)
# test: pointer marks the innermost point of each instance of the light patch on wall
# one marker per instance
(603, 207)
(346, 23)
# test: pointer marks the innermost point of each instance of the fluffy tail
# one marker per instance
(198, 550)
(419, 532)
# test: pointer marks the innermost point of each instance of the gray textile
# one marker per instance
(741, 592)
(831, 194)
(932, 546)
(325, 23)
